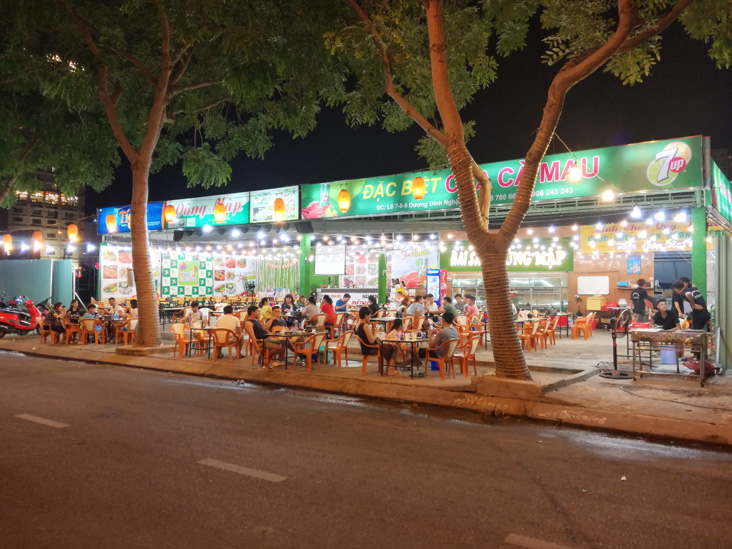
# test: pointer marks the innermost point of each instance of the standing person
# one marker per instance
(470, 309)
(258, 333)
(679, 302)
(639, 297)
(416, 308)
(373, 305)
(459, 303)
(73, 314)
(341, 305)
(231, 322)
(265, 309)
(55, 318)
(448, 332)
(699, 313)
(326, 306)
(666, 318)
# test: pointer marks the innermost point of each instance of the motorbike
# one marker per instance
(19, 316)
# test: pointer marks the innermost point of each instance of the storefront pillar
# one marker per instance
(382, 278)
(699, 249)
(305, 265)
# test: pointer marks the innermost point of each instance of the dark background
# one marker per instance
(684, 95)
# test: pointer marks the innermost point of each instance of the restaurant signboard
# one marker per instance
(651, 166)
(197, 212)
(721, 193)
(641, 236)
(527, 255)
(121, 216)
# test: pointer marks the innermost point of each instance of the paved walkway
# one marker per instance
(564, 387)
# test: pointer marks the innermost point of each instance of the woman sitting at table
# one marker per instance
(374, 305)
(326, 306)
(73, 314)
(401, 352)
(54, 318)
(265, 308)
(257, 333)
(288, 306)
(133, 309)
(401, 310)
(366, 332)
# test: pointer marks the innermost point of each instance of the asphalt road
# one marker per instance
(99, 456)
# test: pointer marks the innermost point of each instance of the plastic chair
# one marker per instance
(47, 331)
(583, 325)
(528, 336)
(338, 325)
(129, 331)
(340, 346)
(540, 334)
(181, 341)
(88, 328)
(550, 334)
(222, 338)
(378, 356)
(467, 353)
(447, 357)
(310, 347)
(320, 321)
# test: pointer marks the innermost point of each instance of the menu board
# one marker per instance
(330, 260)
(262, 204)
(231, 275)
(362, 271)
(117, 278)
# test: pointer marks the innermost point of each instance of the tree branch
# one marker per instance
(180, 89)
(103, 90)
(389, 87)
(178, 74)
(146, 72)
(16, 173)
(656, 29)
(200, 109)
(484, 196)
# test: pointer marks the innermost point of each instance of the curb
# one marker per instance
(543, 409)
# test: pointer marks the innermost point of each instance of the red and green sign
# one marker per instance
(651, 166)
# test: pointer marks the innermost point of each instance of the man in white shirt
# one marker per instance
(115, 309)
(431, 306)
(231, 322)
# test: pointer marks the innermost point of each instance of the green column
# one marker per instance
(699, 249)
(382, 279)
(305, 265)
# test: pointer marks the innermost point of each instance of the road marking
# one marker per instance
(43, 421)
(242, 470)
(531, 543)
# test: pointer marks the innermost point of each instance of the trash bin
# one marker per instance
(668, 354)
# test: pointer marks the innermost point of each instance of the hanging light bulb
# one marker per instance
(73, 232)
(111, 222)
(219, 213)
(344, 200)
(37, 240)
(169, 213)
(7, 242)
(418, 189)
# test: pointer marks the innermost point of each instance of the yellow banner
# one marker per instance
(636, 237)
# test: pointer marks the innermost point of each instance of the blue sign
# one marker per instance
(118, 218)
(433, 284)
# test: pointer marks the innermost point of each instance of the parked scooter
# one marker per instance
(19, 316)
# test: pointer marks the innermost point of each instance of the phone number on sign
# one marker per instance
(538, 193)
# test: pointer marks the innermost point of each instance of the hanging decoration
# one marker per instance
(418, 188)
(344, 201)
(73, 232)
(7, 242)
(279, 209)
(219, 213)
(111, 223)
(169, 214)
(37, 240)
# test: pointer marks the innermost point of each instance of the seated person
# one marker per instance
(311, 310)
(73, 313)
(396, 352)
(265, 309)
(341, 305)
(91, 312)
(448, 307)
(55, 317)
(447, 333)
(230, 322)
(373, 305)
(326, 306)
(666, 318)
(257, 333)
(194, 316)
(365, 332)
(115, 309)
(133, 309)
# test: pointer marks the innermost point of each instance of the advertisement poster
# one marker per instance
(433, 284)
(117, 278)
(122, 218)
(197, 212)
(651, 166)
(232, 274)
(362, 271)
(262, 204)
(186, 274)
(721, 193)
(634, 264)
(410, 266)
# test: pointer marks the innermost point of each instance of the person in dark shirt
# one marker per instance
(373, 305)
(666, 318)
(679, 302)
(699, 313)
(639, 297)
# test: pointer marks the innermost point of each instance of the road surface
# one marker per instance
(101, 456)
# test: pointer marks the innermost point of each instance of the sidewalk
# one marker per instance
(564, 387)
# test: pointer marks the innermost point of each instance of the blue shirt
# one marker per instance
(340, 305)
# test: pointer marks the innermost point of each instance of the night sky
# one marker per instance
(685, 95)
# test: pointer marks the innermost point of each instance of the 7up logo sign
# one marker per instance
(668, 163)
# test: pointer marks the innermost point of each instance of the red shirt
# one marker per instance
(328, 309)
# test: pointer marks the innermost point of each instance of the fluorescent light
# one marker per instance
(636, 213)
(207, 228)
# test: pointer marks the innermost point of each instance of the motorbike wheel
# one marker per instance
(3, 331)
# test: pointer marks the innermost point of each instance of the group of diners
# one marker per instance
(59, 316)
(687, 302)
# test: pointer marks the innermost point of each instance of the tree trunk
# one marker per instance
(148, 333)
(492, 252)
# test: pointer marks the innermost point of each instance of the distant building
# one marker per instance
(49, 211)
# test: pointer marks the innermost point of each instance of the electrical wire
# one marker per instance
(627, 390)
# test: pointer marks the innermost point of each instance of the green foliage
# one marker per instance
(711, 21)
(203, 167)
